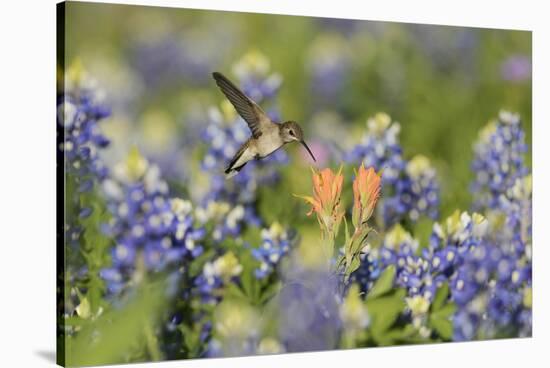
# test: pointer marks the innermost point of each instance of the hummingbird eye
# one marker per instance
(291, 132)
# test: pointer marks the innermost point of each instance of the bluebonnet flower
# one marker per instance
(168, 57)
(215, 275)
(449, 49)
(422, 190)
(225, 220)
(451, 242)
(503, 186)
(256, 79)
(492, 292)
(409, 189)
(417, 307)
(79, 112)
(157, 60)
(413, 271)
(329, 63)
(494, 285)
(421, 271)
(275, 245)
(499, 160)
(516, 206)
(380, 148)
(368, 272)
(152, 231)
(345, 27)
(309, 310)
(487, 283)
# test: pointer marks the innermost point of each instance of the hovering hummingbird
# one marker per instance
(267, 136)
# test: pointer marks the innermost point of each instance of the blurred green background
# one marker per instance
(443, 84)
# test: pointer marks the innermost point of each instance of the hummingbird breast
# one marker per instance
(268, 142)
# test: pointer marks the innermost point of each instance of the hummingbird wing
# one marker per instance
(253, 114)
(240, 159)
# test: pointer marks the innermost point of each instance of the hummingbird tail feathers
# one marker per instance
(232, 171)
(230, 174)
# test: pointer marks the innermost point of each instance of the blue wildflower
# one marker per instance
(256, 79)
(499, 160)
(501, 267)
(169, 58)
(275, 245)
(309, 311)
(215, 276)
(225, 220)
(409, 189)
(79, 113)
(329, 63)
(413, 271)
(152, 231)
(368, 272)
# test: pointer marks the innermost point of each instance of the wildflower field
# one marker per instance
(413, 226)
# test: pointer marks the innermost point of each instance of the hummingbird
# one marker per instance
(267, 135)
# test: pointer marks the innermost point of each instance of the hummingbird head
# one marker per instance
(291, 131)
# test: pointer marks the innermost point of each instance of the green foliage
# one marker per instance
(384, 283)
(390, 325)
(94, 248)
(108, 338)
(441, 312)
(192, 339)
(385, 304)
(384, 311)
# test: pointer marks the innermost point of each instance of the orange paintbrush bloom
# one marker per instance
(327, 189)
(366, 190)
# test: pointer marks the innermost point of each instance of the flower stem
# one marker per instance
(152, 342)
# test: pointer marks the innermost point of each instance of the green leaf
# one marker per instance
(191, 338)
(234, 291)
(398, 334)
(74, 321)
(446, 311)
(247, 281)
(384, 311)
(340, 262)
(384, 283)
(270, 291)
(347, 230)
(110, 338)
(443, 326)
(354, 265)
(440, 297)
(358, 240)
(440, 317)
(422, 231)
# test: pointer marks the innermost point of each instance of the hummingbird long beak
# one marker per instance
(305, 145)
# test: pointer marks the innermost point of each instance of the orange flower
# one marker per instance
(366, 190)
(327, 189)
